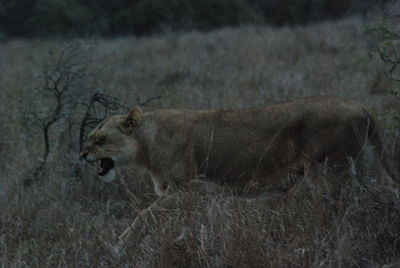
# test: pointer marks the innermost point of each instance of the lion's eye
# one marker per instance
(101, 140)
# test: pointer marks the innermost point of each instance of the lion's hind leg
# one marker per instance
(320, 181)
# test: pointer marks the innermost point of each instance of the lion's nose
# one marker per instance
(83, 154)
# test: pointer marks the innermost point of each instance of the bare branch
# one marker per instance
(62, 95)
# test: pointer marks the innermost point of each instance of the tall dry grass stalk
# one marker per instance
(73, 220)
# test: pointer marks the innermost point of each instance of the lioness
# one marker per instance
(248, 150)
(236, 148)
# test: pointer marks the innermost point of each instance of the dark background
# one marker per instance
(44, 18)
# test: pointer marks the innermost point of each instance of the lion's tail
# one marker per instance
(374, 137)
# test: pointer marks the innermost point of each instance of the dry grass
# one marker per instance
(41, 228)
(73, 220)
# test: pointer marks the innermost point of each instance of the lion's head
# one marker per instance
(111, 145)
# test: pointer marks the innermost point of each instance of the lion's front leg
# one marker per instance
(149, 216)
(144, 219)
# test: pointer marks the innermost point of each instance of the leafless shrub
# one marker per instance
(64, 98)
(60, 89)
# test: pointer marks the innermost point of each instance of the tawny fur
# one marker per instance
(248, 150)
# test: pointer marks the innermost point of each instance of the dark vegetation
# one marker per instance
(46, 18)
(53, 92)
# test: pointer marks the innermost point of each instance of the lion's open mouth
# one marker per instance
(106, 164)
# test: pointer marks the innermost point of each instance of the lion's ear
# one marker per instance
(133, 118)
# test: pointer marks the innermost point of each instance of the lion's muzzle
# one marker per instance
(105, 165)
(87, 156)
(83, 154)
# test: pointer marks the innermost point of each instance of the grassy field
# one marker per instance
(70, 219)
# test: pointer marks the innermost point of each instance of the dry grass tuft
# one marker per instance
(71, 219)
